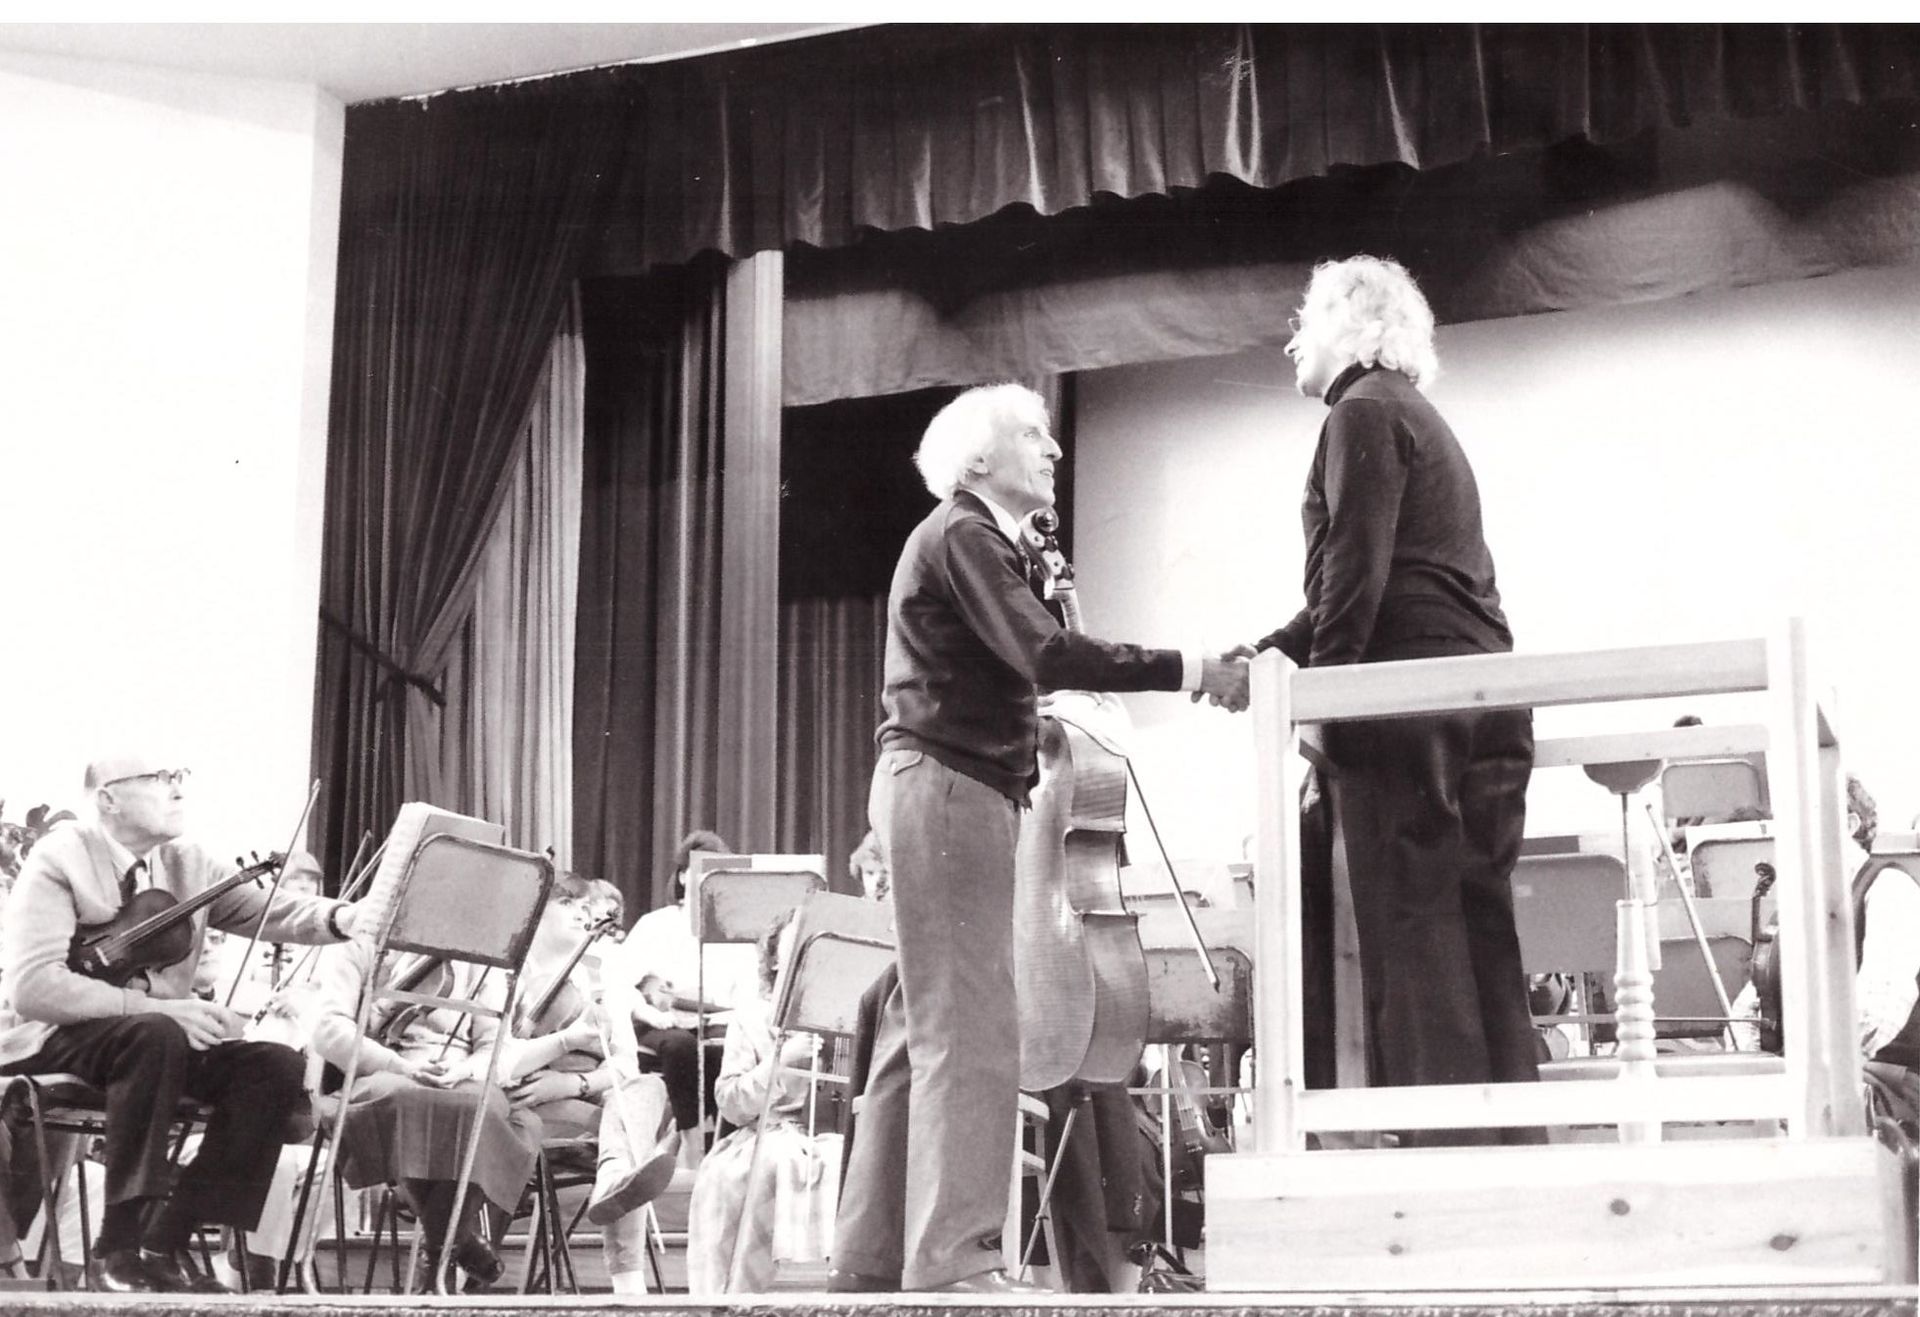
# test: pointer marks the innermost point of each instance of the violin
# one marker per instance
(152, 930)
(540, 1017)
(1078, 966)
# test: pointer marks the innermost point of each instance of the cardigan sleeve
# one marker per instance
(991, 593)
(36, 934)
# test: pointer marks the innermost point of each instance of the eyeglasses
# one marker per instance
(171, 777)
(1293, 325)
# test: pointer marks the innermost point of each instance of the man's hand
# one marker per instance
(1223, 681)
(657, 992)
(205, 1022)
(543, 1086)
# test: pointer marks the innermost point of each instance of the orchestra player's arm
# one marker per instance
(36, 935)
(990, 590)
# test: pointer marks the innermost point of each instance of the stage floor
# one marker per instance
(1716, 1302)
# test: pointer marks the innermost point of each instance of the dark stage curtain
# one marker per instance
(647, 631)
(1725, 204)
(463, 221)
(914, 127)
(830, 680)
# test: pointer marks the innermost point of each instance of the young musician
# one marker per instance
(968, 645)
(597, 1090)
(151, 1042)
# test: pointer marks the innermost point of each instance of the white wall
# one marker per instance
(167, 247)
(1677, 471)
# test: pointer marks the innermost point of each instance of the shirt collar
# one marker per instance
(1345, 380)
(1009, 524)
(124, 859)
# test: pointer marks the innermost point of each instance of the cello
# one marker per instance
(1078, 966)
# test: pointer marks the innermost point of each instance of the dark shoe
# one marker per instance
(615, 1195)
(120, 1272)
(178, 1273)
(987, 1282)
(476, 1257)
(844, 1281)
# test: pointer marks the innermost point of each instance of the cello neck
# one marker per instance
(1068, 598)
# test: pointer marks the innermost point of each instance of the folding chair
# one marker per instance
(1563, 910)
(460, 900)
(1183, 1009)
(1711, 790)
(67, 1104)
(737, 906)
(840, 946)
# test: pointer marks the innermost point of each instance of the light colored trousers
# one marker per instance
(926, 1188)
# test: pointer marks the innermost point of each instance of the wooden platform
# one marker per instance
(1712, 1302)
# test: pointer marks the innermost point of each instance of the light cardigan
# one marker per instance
(71, 878)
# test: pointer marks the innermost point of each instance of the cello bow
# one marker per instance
(1043, 539)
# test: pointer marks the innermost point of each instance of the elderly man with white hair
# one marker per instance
(969, 644)
(143, 1037)
(1432, 809)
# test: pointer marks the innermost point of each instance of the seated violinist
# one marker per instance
(587, 1093)
(132, 1026)
(414, 1097)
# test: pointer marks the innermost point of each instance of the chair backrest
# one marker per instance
(1563, 909)
(1728, 867)
(1182, 1006)
(1682, 987)
(739, 905)
(1711, 789)
(413, 825)
(470, 900)
(841, 944)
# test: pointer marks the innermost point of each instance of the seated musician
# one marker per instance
(584, 1092)
(1886, 931)
(413, 1100)
(764, 1191)
(868, 867)
(140, 1033)
(661, 955)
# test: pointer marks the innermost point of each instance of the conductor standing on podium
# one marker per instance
(1432, 808)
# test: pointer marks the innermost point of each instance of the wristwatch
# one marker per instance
(333, 921)
(586, 1086)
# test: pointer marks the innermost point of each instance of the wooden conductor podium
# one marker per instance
(1816, 1202)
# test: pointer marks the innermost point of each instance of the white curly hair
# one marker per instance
(1368, 309)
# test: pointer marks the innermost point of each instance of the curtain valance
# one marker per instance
(896, 128)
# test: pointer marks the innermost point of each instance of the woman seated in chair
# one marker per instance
(593, 1107)
(764, 1192)
(413, 1100)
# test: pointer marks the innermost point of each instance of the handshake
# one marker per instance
(1223, 679)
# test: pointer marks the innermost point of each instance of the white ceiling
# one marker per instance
(368, 61)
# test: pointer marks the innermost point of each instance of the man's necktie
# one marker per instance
(130, 880)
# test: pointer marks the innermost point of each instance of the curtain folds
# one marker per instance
(451, 282)
(831, 653)
(896, 128)
(1724, 204)
(647, 652)
(502, 748)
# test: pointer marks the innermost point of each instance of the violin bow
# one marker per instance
(1193, 926)
(273, 890)
(307, 965)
